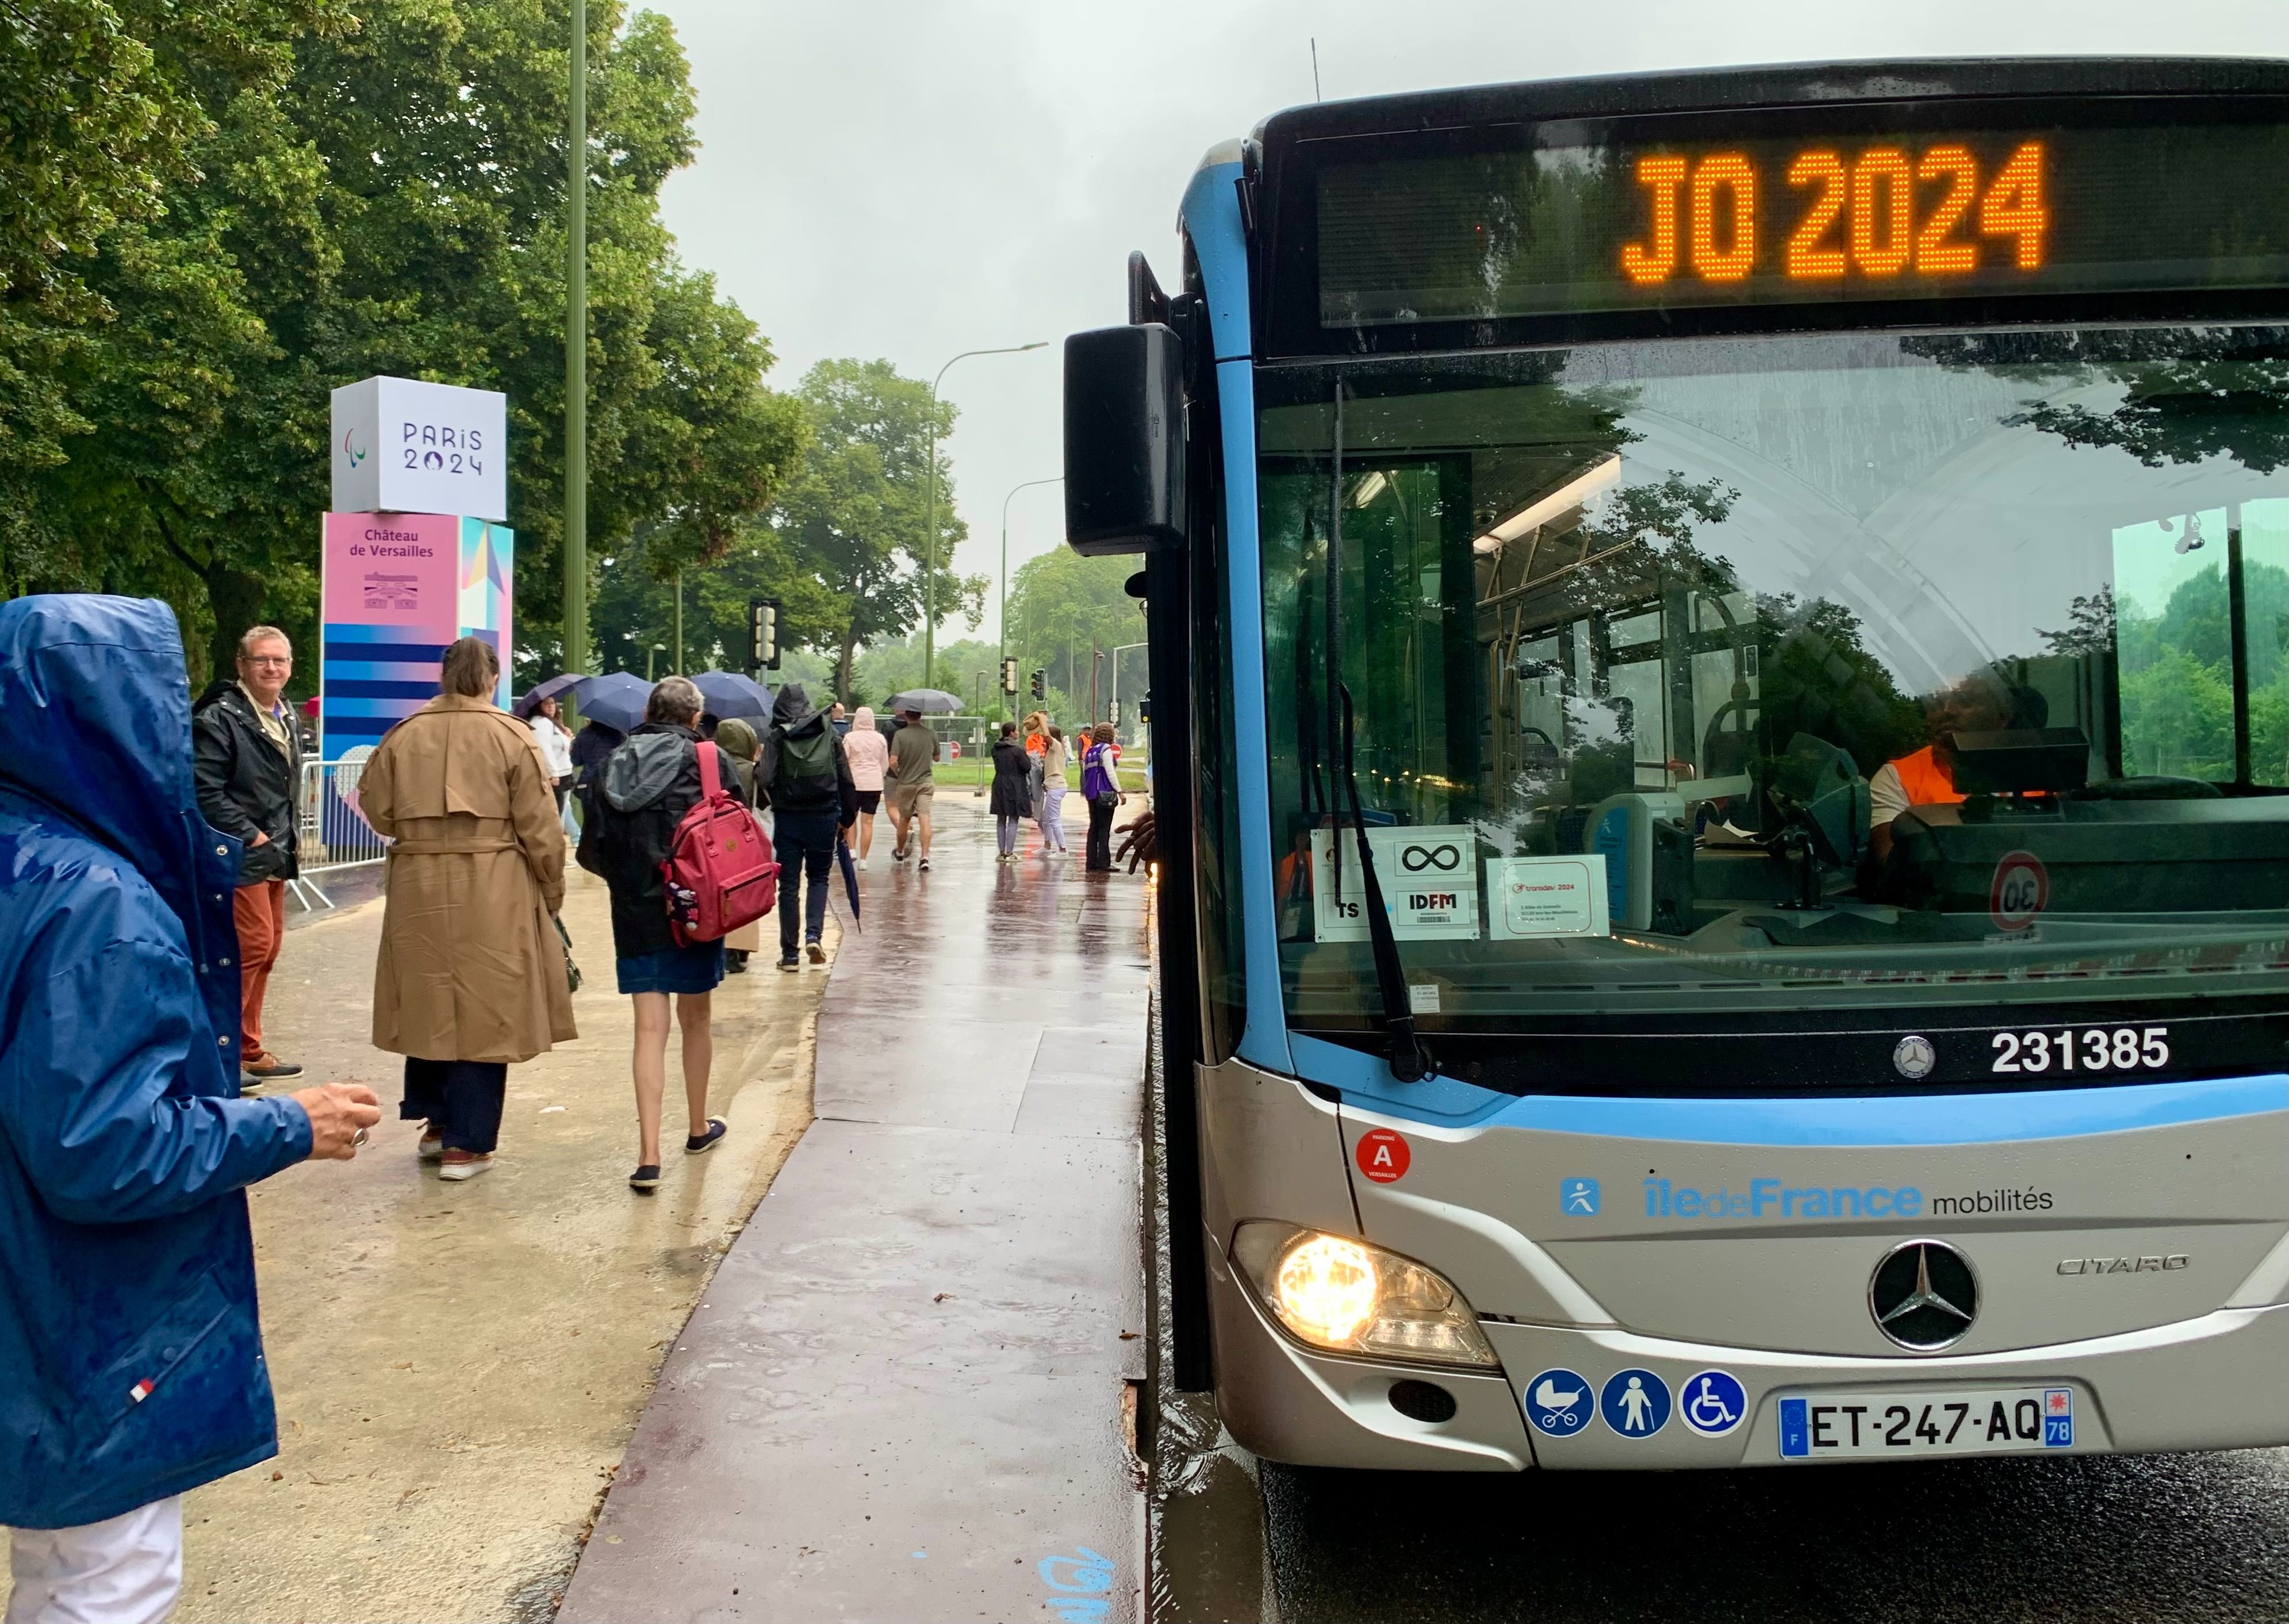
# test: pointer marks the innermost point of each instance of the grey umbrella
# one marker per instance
(927, 700)
(531, 700)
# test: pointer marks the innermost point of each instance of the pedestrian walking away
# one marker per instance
(912, 780)
(130, 1338)
(1100, 787)
(1053, 790)
(249, 768)
(740, 748)
(805, 776)
(556, 751)
(869, 755)
(590, 746)
(470, 978)
(1012, 800)
(632, 807)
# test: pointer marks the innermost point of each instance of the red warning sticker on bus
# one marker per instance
(2020, 890)
(1382, 1156)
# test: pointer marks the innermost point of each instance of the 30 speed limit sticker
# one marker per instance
(2021, 891)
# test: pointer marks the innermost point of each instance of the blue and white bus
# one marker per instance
(1722, 721)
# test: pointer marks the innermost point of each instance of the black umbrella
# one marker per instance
(616, 699)
(850, 877)
(925, 700)
(729, 694)
(531, 701)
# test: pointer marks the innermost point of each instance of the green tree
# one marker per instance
(1062, 608)
(855, 516)
(386, 195)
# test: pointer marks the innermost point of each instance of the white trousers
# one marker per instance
(126, 1569)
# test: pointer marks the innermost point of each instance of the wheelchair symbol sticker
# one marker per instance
(1557, 1403)
(1712, 1404)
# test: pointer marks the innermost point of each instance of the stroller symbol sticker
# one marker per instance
(1712, 1404)
(1557, 1403)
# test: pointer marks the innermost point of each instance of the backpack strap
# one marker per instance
(711, 780)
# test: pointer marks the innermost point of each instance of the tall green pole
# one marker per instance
(575, 351)
(679, 624)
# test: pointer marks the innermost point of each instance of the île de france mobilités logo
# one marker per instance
(351, 449)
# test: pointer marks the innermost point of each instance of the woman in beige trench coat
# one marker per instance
(471, 975)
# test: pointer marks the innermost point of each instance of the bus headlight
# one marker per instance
(1346, 1296)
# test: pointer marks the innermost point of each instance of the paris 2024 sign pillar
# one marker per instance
(414, 554)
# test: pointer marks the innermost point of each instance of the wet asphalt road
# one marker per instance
(2153, 1540)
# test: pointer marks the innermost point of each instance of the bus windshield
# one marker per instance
(1736, 679)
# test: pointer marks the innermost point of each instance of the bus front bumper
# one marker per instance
(2211, 1382)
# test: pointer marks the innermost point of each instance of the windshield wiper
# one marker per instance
(1410, 1061)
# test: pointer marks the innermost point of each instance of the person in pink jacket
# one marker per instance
(869, 754)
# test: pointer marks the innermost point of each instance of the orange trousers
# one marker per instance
(259, 912)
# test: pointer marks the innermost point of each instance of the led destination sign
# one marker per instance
(1564, 219)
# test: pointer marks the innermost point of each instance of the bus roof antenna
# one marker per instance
(1315, 69)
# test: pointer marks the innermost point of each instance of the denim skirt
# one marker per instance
(697, 969)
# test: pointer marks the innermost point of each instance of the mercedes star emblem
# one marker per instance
(1914, 1057)
(1923, 1295)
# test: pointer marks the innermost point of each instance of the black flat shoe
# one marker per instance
(700, 1142)
(645, 1179)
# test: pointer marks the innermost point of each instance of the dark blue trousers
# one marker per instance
(804, 845)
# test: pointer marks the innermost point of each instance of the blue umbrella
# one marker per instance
(616, 699)
(729, 694)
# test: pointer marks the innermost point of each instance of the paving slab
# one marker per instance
(907, 1392)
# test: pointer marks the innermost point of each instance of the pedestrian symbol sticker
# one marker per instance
(1383, 1156)
(1635, 1403)
(1712, 1403)
(1578, 1197)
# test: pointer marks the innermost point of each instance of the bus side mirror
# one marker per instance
(1124, 439)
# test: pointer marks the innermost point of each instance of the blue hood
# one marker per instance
(95, 724)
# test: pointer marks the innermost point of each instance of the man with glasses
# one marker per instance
(248, 762)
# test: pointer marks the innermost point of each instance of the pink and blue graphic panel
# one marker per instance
(399, 588)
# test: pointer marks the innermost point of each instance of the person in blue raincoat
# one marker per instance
(130, 1357)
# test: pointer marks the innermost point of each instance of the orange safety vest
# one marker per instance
(1926, 782)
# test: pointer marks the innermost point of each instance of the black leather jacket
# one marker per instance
(245, 784)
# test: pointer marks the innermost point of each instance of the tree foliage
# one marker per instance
(1064, 608)
(277, 197)
(854, 519)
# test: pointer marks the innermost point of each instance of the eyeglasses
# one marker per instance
(267, 659)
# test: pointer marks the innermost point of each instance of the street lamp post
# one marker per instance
(929, 538)
(1001, 614)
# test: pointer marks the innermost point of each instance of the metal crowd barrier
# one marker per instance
(334, 834)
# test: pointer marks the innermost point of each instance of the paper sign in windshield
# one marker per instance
(1546, 897)
(1427, 872)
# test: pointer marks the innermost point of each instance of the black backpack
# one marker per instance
(804, 779)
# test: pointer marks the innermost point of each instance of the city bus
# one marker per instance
(1719, 686)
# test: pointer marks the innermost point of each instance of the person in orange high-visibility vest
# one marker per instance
(1981, 703)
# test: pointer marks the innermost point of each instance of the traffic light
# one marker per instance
(1116, 716)
(1009, 678)
(1040, 685)
(763, 634)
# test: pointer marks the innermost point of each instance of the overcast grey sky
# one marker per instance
(909, 181)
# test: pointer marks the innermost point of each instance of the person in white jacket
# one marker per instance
(556, 751)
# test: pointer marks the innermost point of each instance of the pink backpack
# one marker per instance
(719, 872)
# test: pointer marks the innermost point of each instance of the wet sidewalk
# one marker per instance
(905, 1395)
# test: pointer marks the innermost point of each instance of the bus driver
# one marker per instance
(1980, 702)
